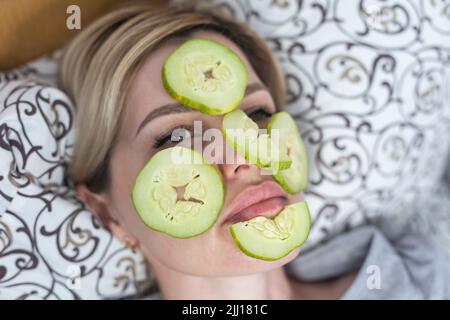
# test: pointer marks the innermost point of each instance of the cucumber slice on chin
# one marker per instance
(273, 239)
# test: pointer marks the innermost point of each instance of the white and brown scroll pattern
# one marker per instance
(51, 247)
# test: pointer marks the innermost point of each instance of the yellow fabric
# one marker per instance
(30, 28)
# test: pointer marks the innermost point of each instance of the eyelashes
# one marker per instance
(178, 134)
(173, 136)
(259, 113)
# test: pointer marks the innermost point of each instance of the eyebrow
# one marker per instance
(176, 107)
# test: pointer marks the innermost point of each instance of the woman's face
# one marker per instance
(146, 129)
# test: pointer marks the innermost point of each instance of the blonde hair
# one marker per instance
(98, 64)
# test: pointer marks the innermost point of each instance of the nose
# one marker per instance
(236, 167)
(231, 164)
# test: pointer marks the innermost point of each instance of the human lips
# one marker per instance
(266, 199)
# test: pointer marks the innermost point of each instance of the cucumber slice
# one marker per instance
(178, 193)
(242, 133)
(295, 178)
(205, 75)
(268, 239)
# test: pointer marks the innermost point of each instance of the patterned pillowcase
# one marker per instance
(51, 247)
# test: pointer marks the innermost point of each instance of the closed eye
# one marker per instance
(259, 113)
(173, 136)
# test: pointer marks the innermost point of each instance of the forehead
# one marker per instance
(146, 91)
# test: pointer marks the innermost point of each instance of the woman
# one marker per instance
(112, 70)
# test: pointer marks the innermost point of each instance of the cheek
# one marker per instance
(123, 173)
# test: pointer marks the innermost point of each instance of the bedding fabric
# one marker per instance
(395, 258)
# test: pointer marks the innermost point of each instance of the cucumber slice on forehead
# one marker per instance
(178, 193)
(205, 75)
(268, 239)
(242, 133)
(295, 178)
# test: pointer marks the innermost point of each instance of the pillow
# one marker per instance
(368, 82)
(29, 29)
(51, 247)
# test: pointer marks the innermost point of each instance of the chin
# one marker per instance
(239, 264)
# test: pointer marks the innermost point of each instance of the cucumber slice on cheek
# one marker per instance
(283, 152)
(178, 193)
(205, 75)
(295, 178)
(268, 239)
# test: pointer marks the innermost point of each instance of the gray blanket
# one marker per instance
(406, 258)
